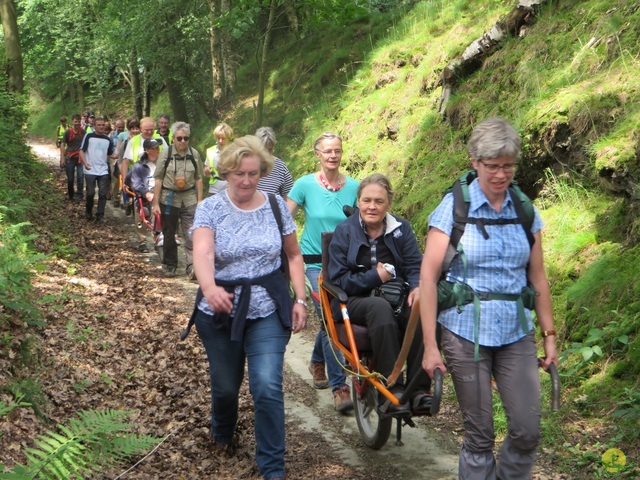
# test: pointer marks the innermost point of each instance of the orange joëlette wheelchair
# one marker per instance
(353, 341)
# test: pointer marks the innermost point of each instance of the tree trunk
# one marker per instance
(475, 54)
(178, 108)
(263, 62)
(136, 94)
(216, 56)
(228, 67)
(146, 94)
(12, 46)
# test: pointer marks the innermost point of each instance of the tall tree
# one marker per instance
(216, 51)
(228, 66)
(266, 39)
(12, 48)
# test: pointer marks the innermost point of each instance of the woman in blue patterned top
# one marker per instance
(246, 311)
(503, 343)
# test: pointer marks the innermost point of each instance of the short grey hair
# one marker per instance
(494, 138)
(184, 126)
(325, 136)
(267, 136)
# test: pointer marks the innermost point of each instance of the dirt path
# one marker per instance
(111, 341)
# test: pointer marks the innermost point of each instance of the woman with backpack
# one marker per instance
(177, 191)
(488, 331)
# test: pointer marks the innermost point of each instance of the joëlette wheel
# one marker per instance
(374, 429)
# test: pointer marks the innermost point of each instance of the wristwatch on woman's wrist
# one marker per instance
(301, 302)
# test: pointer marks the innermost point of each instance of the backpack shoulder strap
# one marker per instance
(524, 210)
(193, 159)
(275, 208)
(461, 202)
(166, 162)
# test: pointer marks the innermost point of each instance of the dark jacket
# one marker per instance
(140, 178)
(349, 238)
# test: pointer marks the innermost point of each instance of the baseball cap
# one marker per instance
(151, 143)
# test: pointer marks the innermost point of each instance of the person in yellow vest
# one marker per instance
(163, 128)
(60, 129)
(135, 148)
(224, 135)
(91, 126)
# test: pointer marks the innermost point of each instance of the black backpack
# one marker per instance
(459, 294)
(461, 203)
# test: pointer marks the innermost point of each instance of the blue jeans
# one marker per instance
(75, 172)
(263, 346)
(322, 350)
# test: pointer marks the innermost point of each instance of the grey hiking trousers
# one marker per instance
(515, 370)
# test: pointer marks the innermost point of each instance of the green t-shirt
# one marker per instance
(322, 209)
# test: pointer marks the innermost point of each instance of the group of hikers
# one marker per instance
(240, 235)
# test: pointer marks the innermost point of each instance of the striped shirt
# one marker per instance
(495, 265)
(279, 181)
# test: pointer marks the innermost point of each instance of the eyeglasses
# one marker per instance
(337, 151)
(182, 139)
(493, 168)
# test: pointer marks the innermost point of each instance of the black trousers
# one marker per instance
(103, 182)
(170, 217)
(386, 334)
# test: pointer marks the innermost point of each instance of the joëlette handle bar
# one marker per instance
(555, 387)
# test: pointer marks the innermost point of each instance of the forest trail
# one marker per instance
(111, 341)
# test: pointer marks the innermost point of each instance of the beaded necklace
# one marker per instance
(328, 186)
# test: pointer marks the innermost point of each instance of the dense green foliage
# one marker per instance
(17, 258)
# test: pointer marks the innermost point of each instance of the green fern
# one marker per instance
(95, 439)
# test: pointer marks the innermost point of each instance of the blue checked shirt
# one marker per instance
(496, 265)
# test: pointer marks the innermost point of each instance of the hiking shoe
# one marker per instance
(88, 215)
(128, 209)
(342, 399)
(169, 271)
(142, 248)
(101, 221)
(421, 404)
(316, 369)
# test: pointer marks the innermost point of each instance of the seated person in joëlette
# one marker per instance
(361, 253)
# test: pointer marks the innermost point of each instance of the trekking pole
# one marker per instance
(555, 387)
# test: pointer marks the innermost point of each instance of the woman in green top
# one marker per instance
(322, 195)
